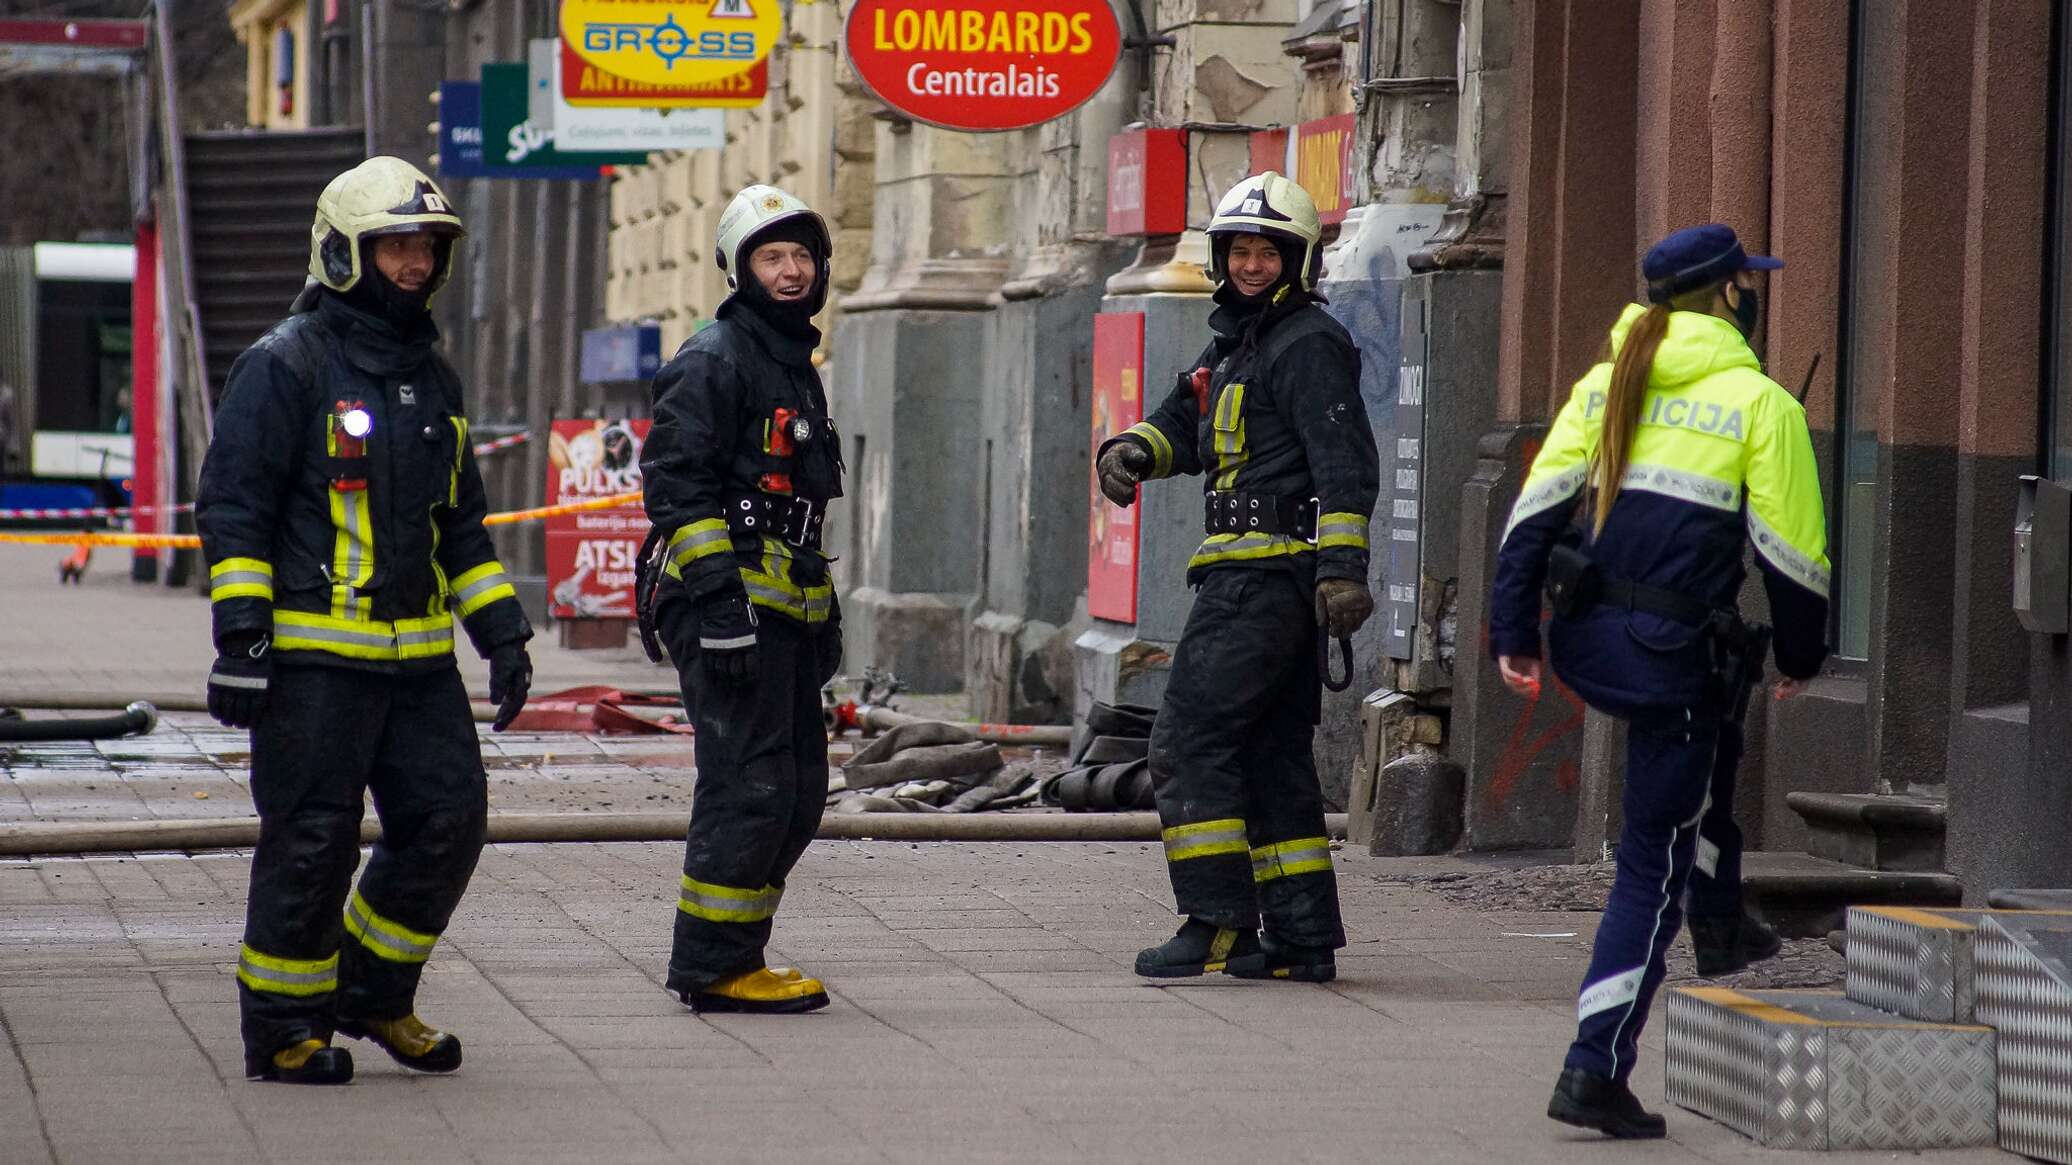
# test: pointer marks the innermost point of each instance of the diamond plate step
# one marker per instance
(2024, 989)
(1816, 1070)
(1918, 962)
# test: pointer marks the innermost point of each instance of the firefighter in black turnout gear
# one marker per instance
(1270, 415)
(341, 516)
(738, 468)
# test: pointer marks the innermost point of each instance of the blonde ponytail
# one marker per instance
(1622, 401)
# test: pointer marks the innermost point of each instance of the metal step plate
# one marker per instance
(1816, 1070)
(2024, 989)
(1918, 962)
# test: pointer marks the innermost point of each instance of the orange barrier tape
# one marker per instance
(193, 541)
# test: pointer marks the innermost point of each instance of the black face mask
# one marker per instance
(1748, 312)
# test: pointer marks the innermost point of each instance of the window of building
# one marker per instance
(2055, 457)
(1872, 149)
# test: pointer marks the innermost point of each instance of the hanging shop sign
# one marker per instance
(1147, 182)
(660, 42)
(592, 127)
(1324, 164)
(511, 140)
(584, 84)
(983, 65)
(460, 141)
(591, 554)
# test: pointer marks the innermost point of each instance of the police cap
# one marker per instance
(1697, 257)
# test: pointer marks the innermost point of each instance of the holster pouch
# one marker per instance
(1738, 649)
(647, 582)
(1574, 584)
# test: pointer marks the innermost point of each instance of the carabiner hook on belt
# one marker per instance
(1345, 652)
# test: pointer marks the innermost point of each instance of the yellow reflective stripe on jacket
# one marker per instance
(1787, 520)
(1227, 435)
(700, 539)
(352, 551)
(1202, 839)
(480, 587)
(1161, 449)
(384, 936)
(371, 639)
(278, 976)
(716, 903)
(1304, 855)
(460, 453)
(1245, 548)
(241, 578)
(1340, 529)
(769, 584)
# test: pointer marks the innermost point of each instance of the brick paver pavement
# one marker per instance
(983, 1010)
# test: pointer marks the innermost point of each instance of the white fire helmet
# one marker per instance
(380, 196)
(1273, 205)
(753, 212)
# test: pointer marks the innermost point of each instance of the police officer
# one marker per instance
(1270, 416)
(739, 467)
(1670, 457)
(341, 515)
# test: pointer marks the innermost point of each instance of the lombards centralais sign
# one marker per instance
(983, 65)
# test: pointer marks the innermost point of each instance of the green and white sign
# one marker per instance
(511, 140)
(607, 127)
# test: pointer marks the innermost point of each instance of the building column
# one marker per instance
(908, 394)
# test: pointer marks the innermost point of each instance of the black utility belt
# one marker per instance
(794, 521)
(1236, 511)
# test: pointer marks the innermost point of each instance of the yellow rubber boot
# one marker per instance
(407, 1041)
(311, 1061)
(761, 992)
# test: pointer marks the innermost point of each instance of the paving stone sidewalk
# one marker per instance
(983, 1011)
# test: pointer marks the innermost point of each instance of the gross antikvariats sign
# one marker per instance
(672, 42)
(983, 65)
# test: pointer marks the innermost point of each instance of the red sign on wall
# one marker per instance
(1147, 182)
(1324, 164)
(1111, 551)
(983, 65)
(583, 83)
(591, 554)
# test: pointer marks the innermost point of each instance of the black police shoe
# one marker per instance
(308, 1061)
(1589, 1101)
(1278, 960)
(1198, 949)
(1729, 944)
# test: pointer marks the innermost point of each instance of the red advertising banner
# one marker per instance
(1147, 182)
(1111, 551)
(1324, 164)
(983, 65)
(591, 555)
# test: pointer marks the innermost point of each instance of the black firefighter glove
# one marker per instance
(726, 640)
(238, 682)
(1342, 605)
(1121, 468)
(510, 681)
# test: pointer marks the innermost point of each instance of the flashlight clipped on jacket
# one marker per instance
(351, 425)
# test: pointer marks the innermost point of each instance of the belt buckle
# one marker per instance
(798, 522)
(1316, 519)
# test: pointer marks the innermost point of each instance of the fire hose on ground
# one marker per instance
(136, 720)
(84, 837)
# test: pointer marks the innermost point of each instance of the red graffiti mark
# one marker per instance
(1520, 753)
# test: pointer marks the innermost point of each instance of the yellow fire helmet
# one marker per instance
(1267, 204)
(380, 196)
(754, 212)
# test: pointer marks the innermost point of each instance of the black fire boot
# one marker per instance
(407, 1041)
(1198, 949)
(1731, 943)
(309, 1061)
(1589, 1101)
(1278, 960)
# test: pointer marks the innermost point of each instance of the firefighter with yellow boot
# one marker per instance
(341, 514)
(738, 469)
(1270, 416)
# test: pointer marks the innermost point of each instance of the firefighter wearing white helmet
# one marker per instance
(340, 511)
(1270, 416)
(738, 471)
